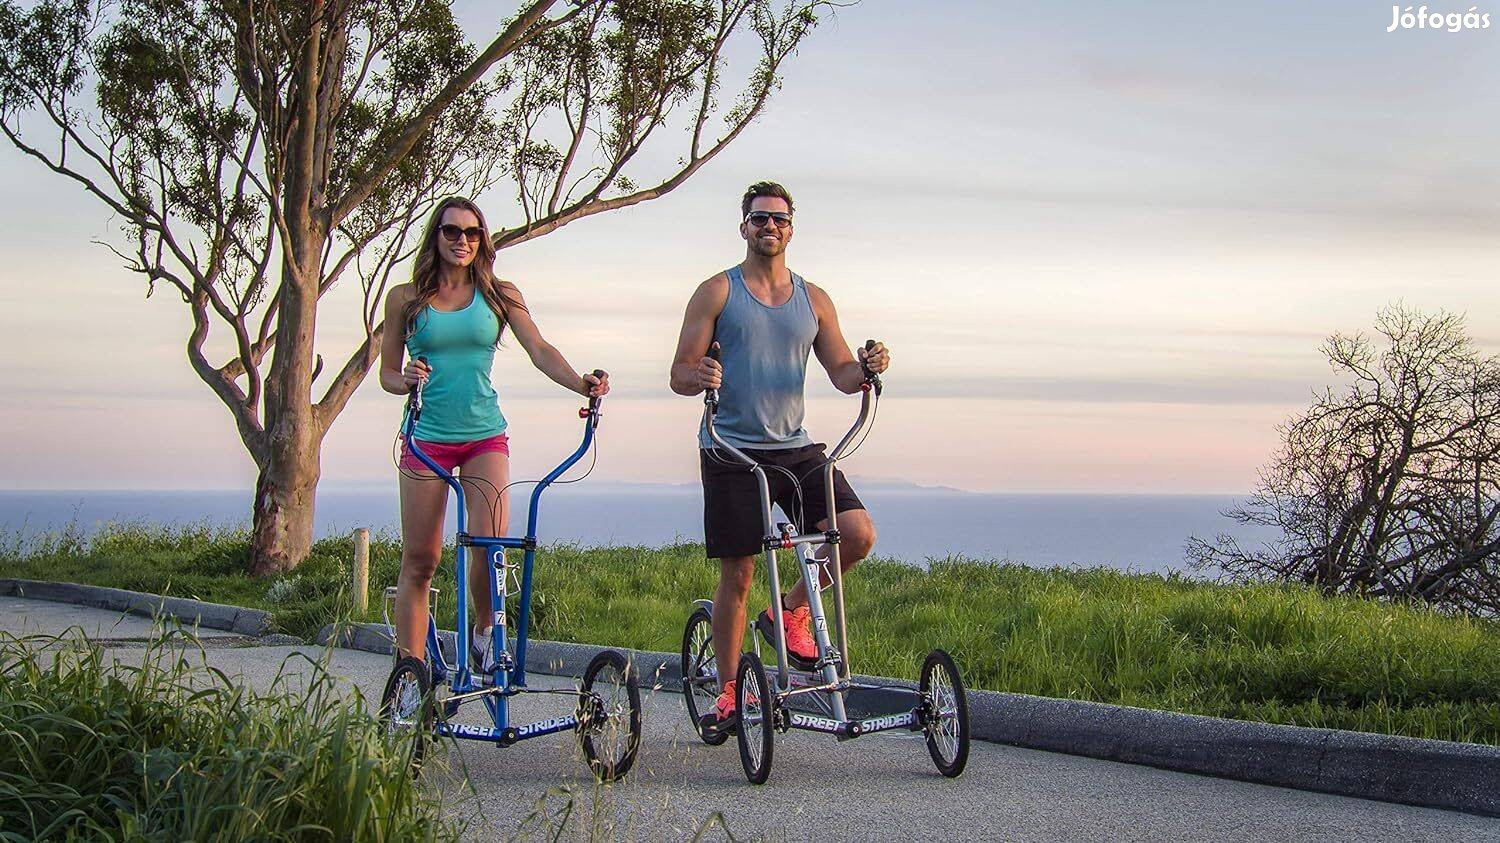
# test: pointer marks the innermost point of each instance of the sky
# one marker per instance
(1103, 241)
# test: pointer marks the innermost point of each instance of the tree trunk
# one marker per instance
(292, 460)
(283, 516)
(282, 531)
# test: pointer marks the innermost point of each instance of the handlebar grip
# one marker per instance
(414, 399)
(870, 377)
(711, 396)
(594, 400)
(417, 387)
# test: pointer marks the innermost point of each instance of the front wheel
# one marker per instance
(406, 707)
(609, 715)
(946, 719)
(755, 705)
(700, 675)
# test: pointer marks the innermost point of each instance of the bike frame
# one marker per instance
(509, 677)
(835, 683)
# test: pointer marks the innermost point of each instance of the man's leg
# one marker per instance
(856, 538)
(735, 575)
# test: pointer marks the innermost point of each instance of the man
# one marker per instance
(765, 319)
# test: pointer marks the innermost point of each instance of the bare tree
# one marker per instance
(1390, 486)
(257, 152)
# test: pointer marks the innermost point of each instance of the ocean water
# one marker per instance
(1130, 532)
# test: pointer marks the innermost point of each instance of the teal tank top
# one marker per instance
(764, 354)
(458, 402)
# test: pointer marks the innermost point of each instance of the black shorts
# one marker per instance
(732, 523)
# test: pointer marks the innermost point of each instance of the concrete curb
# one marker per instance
(212, 615)
(1411, 771)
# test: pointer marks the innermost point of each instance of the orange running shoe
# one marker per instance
(724, 719)
(801, 650)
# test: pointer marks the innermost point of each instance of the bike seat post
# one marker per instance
(828, 672)
(836, 570)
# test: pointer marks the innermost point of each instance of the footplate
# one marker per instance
(850, 729)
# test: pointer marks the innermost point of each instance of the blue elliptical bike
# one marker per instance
(420, 697)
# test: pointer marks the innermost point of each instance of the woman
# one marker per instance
(452, 314)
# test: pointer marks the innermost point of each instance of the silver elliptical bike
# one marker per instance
(938, 709)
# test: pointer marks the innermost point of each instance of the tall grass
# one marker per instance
(202, 561)
(166, 750)
(1266, 653)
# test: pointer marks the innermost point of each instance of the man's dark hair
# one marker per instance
(765, 188)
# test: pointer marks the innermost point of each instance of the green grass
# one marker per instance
(169, 750)
(1266, 653)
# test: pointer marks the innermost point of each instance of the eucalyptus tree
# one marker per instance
(258, 152)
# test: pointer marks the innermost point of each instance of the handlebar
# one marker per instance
(408, 436)
(870, 395)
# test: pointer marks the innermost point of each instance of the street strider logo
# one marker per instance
(1420, 18)
(545, 726)
(890, 721)
(822, 724)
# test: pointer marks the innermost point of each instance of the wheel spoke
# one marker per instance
(752, 717)
(701, 669)
(407, 703)
(944, 726)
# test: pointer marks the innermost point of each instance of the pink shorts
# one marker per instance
(451, 455)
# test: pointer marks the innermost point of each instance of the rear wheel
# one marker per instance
(609, 715)
(946, 722)
(755, 706)
(700, 674)
(406, 707)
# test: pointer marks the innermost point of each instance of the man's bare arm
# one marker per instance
(692, 371)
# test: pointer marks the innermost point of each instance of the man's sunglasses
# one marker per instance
(759, 219)
(453, 232)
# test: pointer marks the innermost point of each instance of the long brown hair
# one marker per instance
(424, 273)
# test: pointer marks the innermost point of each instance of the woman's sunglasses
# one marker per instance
(453, 232)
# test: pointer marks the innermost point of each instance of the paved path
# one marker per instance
(20, 616)
(878, 787)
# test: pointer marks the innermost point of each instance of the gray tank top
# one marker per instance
(764, 354)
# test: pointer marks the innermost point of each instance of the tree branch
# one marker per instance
(524, 27)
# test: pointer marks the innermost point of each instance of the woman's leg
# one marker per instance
(483, 477)
(423, 498)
